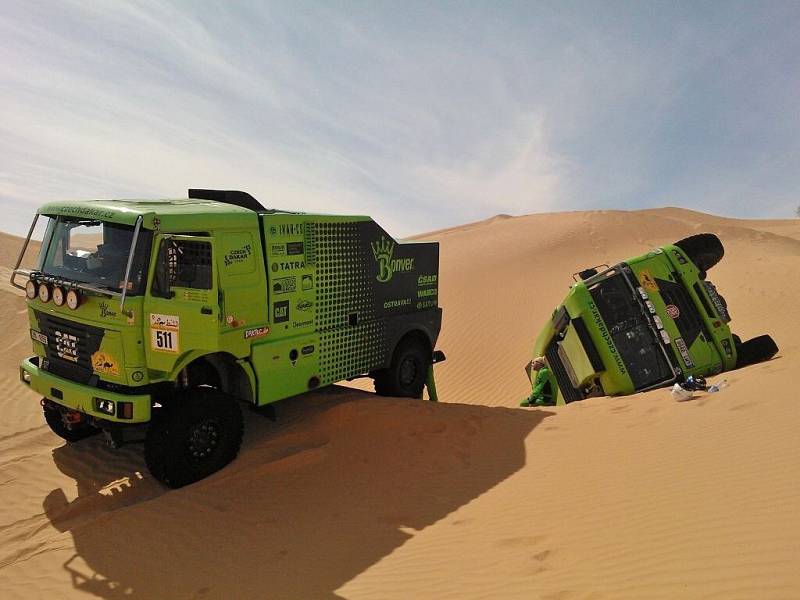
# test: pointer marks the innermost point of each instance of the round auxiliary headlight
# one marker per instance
(73, 299)
(58, 295)
(30, 289)
(44, 292)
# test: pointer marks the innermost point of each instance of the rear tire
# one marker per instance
(195, 435)
(408, 371)
(78, 432)
(756, 350)
(704, 249)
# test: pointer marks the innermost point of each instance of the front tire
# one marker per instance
(704, 249)
(76, 433)
(408, 370)
(755, 350)
(197, 433)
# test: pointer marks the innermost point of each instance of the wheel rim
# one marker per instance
(203, 439)
(408, 371)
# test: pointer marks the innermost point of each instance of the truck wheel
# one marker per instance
(704, 249)
(78, 432)
(406, 376)
(196, 434)
(756, 350)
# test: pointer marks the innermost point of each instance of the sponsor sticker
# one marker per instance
(287, 265)
(278, 249)
(307, 282)
(642, 293)
(664, 336)
(304, 305)
(658, 322)
(383, 251)
(66, 346)
(256, 332)
(238, 255)
(284, 285)
(280, 311)
(84, 212)
(673, 311)
(105, 310)
(103, 362)
(648, 281)
(290, 229)
(39, 337)
(164, 333)
(650, 306)
(165, 321)
(426, 280)
(397, 303)
(294, 248)
(601, 326)
(684, 352)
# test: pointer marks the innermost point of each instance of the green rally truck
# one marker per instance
(644, 323)
(164, 315)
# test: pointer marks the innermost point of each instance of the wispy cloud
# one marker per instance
(421, 115)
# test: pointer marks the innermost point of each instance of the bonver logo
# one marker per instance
(388, 266)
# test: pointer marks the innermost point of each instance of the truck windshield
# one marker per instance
(95, 253)
(624, 321)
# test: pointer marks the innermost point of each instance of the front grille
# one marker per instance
(69, 347)
(562, 378)
(689, 319)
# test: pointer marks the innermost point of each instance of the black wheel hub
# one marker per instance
(408, 371)
(203, 439)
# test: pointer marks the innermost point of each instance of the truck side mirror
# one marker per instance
(161, 286)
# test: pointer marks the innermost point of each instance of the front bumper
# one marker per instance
(82, 398)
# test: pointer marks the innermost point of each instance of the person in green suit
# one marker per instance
(542, 393)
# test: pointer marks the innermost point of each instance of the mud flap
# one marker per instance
(430, 382)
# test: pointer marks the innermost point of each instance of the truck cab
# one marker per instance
(644, 323)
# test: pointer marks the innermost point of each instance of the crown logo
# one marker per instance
(383, 249)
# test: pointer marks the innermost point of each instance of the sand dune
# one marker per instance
(350, 495)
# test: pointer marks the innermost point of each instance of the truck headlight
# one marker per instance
(104, 406)
(44, 292)
(58, 295)
(73, 299)
(30, 289)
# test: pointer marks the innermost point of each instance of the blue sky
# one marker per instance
(423, 115)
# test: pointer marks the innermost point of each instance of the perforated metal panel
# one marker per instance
(345, 295)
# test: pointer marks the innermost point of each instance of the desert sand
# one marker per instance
(355, 496)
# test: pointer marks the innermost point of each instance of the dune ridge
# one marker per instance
(353, 496)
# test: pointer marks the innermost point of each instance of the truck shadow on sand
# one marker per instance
(343, 479)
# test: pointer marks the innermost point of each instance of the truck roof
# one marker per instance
(203, 210)
(155, 213)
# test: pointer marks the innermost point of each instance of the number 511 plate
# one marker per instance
(164, 340)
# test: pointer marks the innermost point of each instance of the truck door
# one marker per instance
(181, 310)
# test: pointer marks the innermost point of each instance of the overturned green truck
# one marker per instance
(644, 323)
(163, 316)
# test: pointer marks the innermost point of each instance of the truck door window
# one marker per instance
(187, 264)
